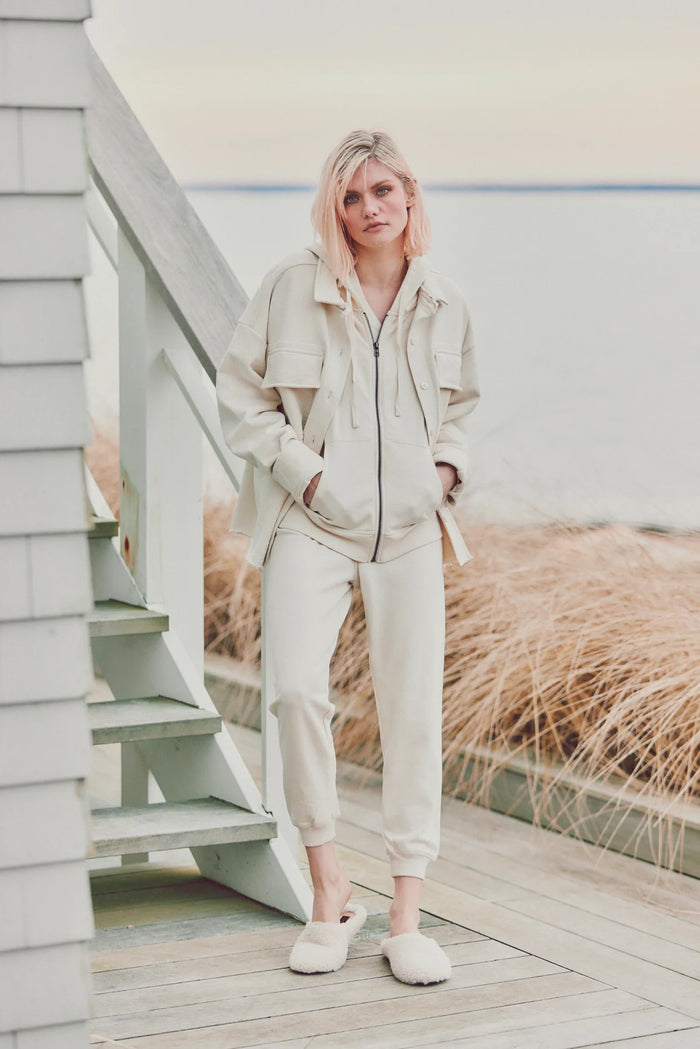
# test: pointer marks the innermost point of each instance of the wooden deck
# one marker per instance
(554, 945)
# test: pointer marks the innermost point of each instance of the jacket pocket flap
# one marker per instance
(293, 367)
(449, 367)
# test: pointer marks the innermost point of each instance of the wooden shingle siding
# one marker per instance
(52, 154)
(44, 237)
(70, 10)
(60, 746)
(43, 64)
(45, 588)
(48, 492)
(30, 915)
(42, 322)
(42, 823)
(44, 660)
(43, 151)
(43, 407)
(10, 161)
(65, 1036)
(59, 981)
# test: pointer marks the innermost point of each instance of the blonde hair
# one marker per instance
(327, 213)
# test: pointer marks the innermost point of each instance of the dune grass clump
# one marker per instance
(574, 647)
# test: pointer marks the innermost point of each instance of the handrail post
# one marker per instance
(160, 461)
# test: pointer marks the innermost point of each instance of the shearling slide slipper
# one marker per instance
(322, 947)
(414, 958)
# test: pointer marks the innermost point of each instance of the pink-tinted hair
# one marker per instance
(327, 213)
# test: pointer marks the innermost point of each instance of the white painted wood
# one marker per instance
(10, 159)
(111, 579)
(42, 322)
(63, 1036)
(161, 465)
(171, 825)
(156, 717)
(201, 397)
(43, 407)
(134, 792)
(54, 157)
(44, 237)
(70, 10)
(189, 271)
(102, 225)
(45, 905)
(41, 742)
(115, 619)
(45, 65)
(158, 663)
(103, 528)
(42, 986)
(42, 823)
(64, 669)
(43, 492)
(60, 567)
(15, 590)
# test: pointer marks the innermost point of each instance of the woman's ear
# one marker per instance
(411, 192)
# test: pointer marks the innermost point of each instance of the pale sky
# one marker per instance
(473, 90)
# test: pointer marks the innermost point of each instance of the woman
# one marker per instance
(346, 388)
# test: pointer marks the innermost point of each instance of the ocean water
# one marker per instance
(586, 311)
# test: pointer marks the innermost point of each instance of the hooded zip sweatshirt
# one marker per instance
(312, 382)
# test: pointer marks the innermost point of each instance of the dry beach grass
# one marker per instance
(574, 646)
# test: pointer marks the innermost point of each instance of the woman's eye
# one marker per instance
(350, 199)
(383, 190)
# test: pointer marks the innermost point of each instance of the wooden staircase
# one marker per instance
(212, 807)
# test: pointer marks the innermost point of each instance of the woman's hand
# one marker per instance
(311, 488)
(448, 476)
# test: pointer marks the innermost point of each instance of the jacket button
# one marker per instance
(424, 386)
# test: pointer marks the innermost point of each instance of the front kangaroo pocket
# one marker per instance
(412, 489)
(347, 493)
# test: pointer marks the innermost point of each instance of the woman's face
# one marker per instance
(376, 206)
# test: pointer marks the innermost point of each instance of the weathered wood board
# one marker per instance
(42, 322)
(60, 742)
(44, 64)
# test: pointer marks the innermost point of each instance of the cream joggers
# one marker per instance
(306, 594)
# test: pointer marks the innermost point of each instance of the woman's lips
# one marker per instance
(375, 226)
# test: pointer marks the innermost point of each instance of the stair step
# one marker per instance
(153, 717)
(175, 825)
(103, 528)
(114, 619)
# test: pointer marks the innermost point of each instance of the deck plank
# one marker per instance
(555, 945)
(335, 1015)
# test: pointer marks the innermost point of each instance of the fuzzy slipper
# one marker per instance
(322, 947)
(415, 958)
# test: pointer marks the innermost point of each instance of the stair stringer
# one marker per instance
(203, 766)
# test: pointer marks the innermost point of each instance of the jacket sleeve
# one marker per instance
(253, 423)
(451, 444)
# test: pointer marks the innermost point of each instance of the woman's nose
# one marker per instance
(369, 206)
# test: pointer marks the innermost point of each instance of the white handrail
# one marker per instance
(199, 393)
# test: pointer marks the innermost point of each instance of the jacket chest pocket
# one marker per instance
(448, 364)
(297, 367)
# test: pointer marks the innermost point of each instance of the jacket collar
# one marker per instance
(423, 279)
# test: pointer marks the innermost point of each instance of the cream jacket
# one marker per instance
(307, 387)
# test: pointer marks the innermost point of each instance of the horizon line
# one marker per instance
(465, 187)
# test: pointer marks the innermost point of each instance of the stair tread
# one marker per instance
(118, 618)
(149, 717)
(172, 825)
(103, 527)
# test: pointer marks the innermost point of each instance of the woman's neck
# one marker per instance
(381, 273)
